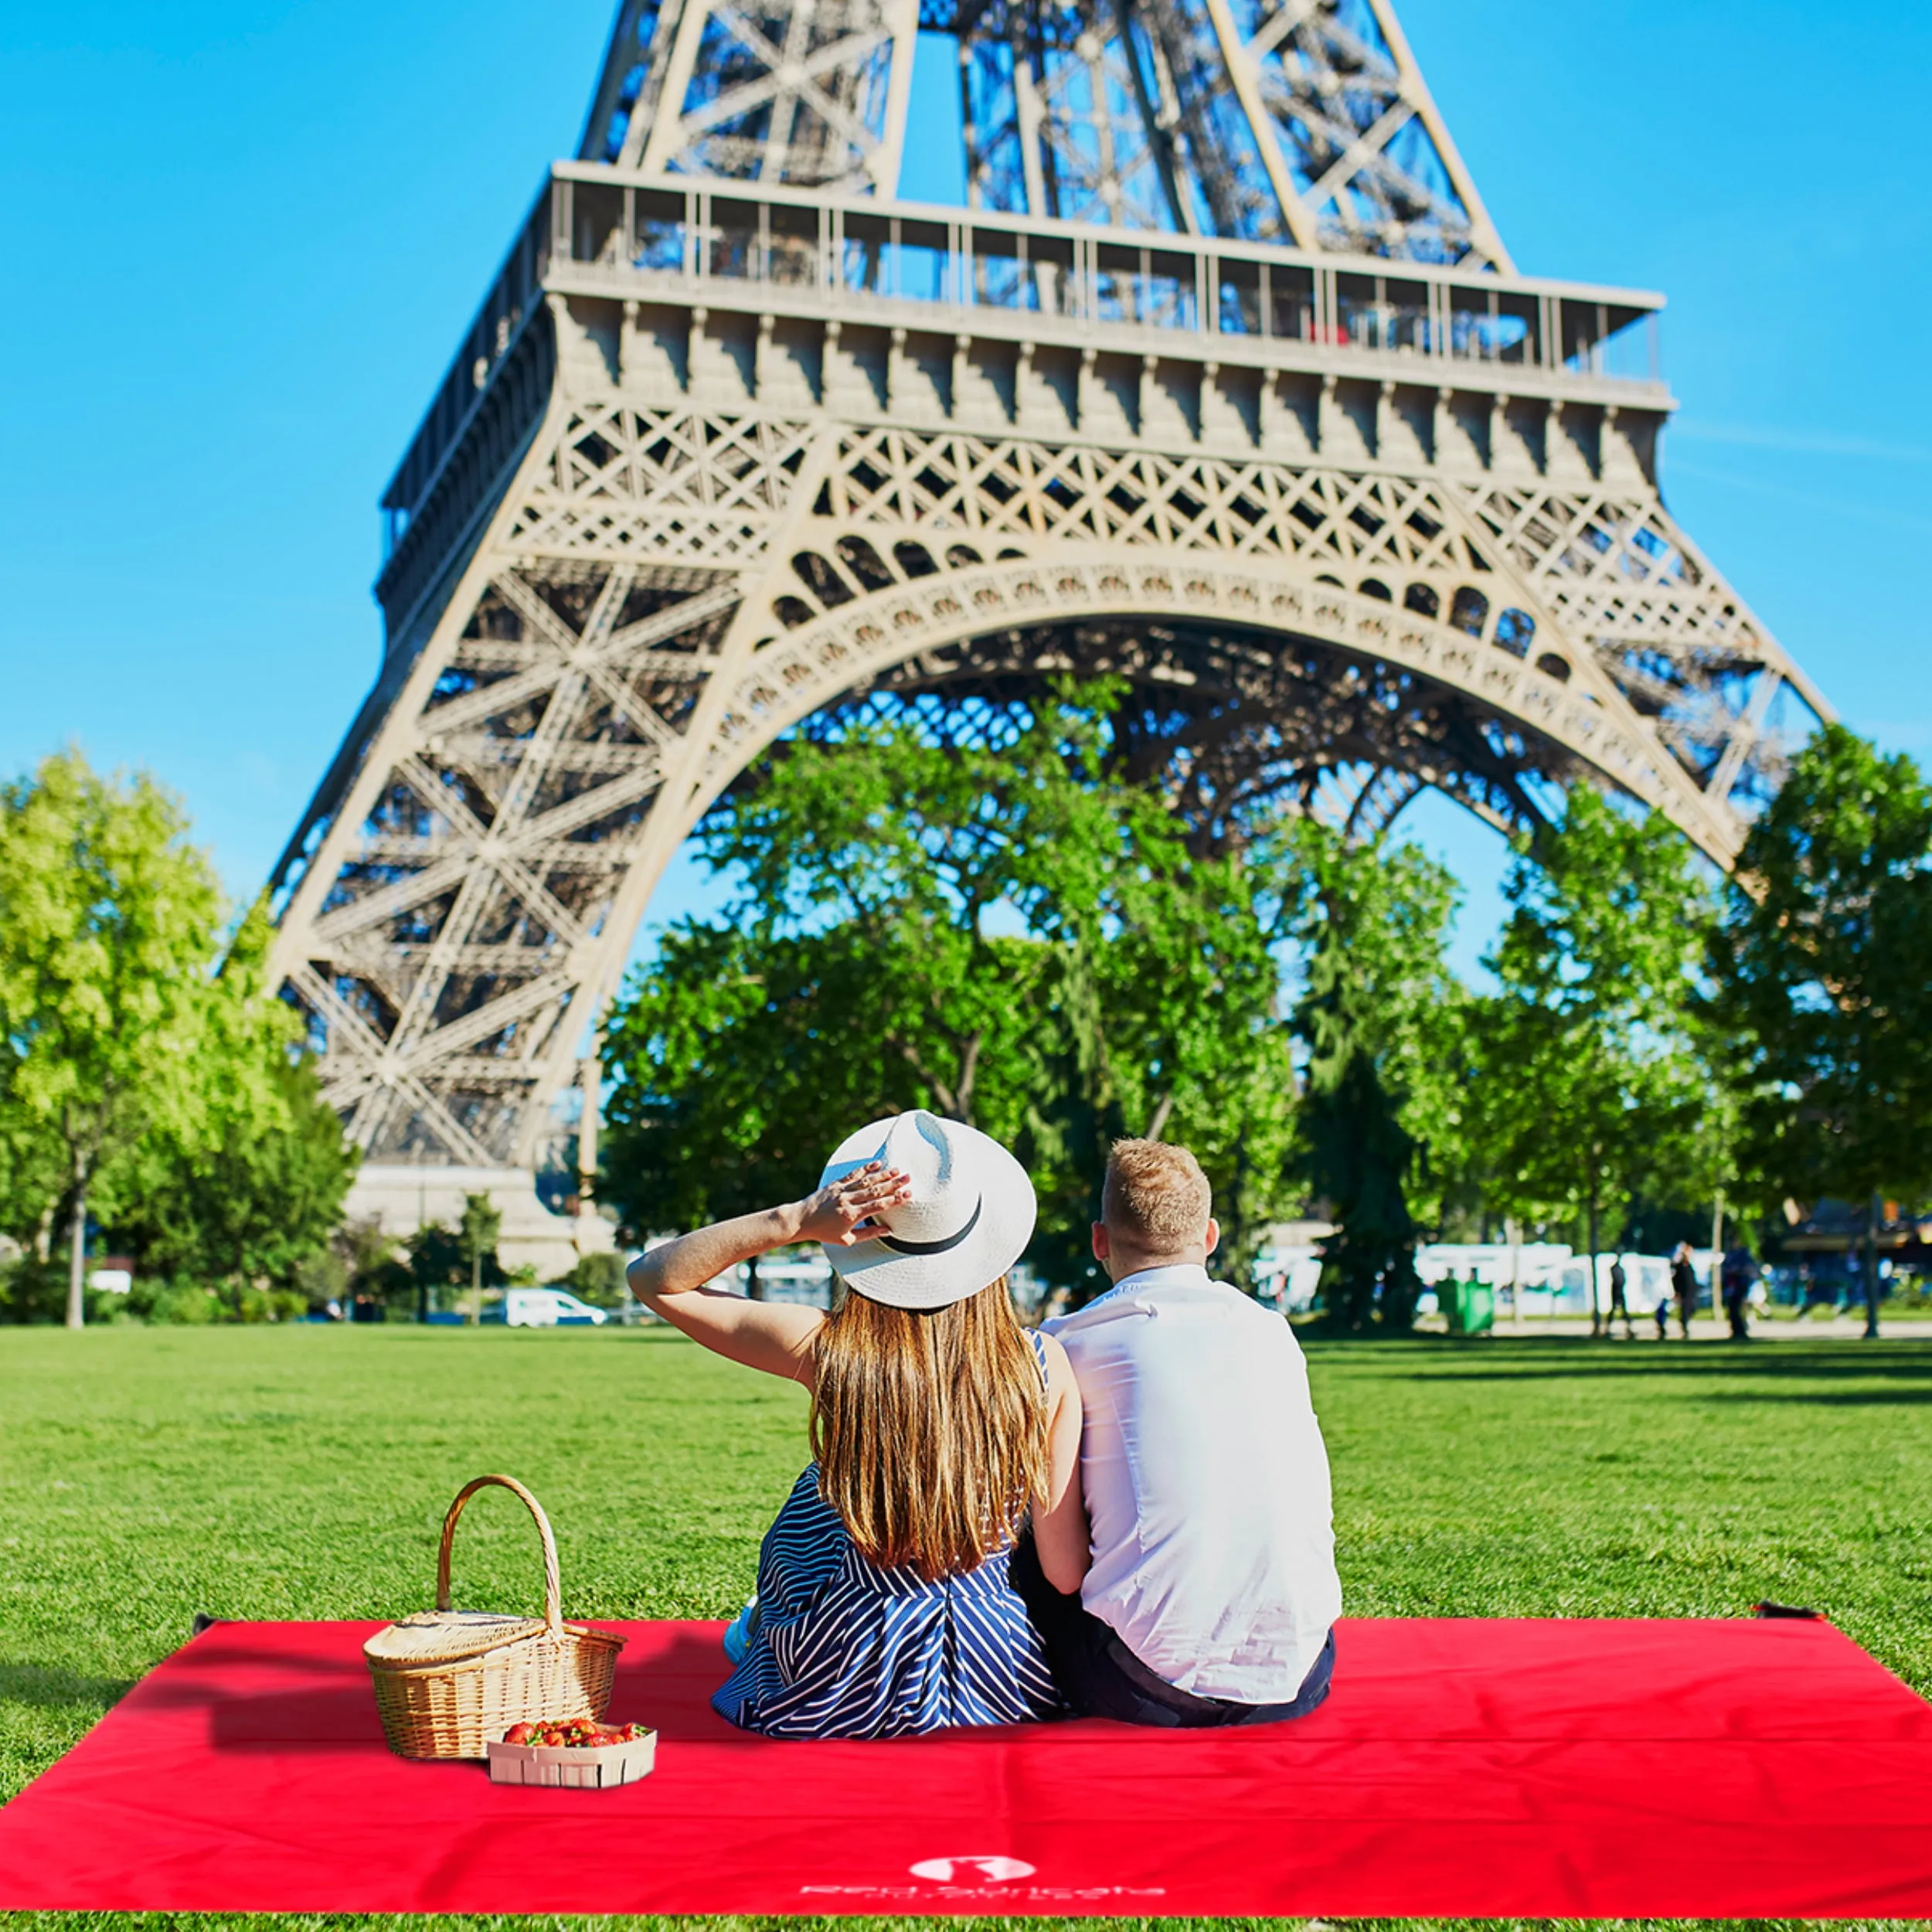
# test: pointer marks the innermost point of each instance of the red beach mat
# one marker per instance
(1460, 1769)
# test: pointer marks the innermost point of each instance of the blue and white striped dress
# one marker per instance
(844, 1648)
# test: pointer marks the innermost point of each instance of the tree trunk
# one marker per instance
(969, 1078)
(1158, 1125)
(944, 1099)
(1872, 1268)
(752, 1287)
(1234, 1236)
(1717, 1260)
(77, 1259)
(476, 1286)
(1590, 1273)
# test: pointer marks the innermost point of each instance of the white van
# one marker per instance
(545, 1309)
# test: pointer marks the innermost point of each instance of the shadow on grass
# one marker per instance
(1559, 1359)
(42, 1687)
(1829, 1398)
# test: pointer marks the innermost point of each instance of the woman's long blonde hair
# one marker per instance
(930, 1429)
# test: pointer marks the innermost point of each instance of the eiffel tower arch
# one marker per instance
(1221, 380)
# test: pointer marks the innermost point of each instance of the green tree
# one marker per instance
(31, 1173)
(248, 1215)
(729, 1057)
(1379, 1017)
(1591, 1083)
(108, 924)
(598, 1279)
(1823, 966)
(476, 1235)
(149, 1078)
(1008, 935)
(436, 1261)
(375, 1272)
(246, 1201)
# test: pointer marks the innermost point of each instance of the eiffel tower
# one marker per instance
(1220, 380)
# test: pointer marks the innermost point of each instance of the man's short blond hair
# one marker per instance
(1155, 1196)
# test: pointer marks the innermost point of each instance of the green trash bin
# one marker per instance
(1471, 1306)
(1477, 1308)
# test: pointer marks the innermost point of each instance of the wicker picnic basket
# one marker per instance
(449, 1681)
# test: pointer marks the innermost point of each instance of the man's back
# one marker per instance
(1207, 1485)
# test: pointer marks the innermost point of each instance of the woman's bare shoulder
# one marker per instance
(1059, 1370)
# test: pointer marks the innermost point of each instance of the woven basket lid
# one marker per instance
(447, 1636)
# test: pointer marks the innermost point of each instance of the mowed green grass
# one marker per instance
(146, 1475)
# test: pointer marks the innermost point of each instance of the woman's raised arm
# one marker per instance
(775, 1337)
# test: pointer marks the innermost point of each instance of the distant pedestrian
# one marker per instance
(1619, 1304)
(1739, 1272)
(1661, 1314)
(1683, 1281)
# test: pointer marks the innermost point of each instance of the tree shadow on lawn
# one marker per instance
(42, 1687)
(1562, 1359)
(1830, 1398)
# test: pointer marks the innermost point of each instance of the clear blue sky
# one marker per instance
(244, 239)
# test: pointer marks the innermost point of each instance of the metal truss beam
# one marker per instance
(1330, 599)
(1223, 384)
(1301, 120)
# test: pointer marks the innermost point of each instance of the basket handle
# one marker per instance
(553, 1580)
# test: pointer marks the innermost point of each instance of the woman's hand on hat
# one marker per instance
(840, 1213)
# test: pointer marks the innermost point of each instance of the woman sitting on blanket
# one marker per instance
(938, 1424)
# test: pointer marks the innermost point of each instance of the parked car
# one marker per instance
(545, 1309)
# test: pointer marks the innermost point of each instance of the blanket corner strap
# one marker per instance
(553, 1577)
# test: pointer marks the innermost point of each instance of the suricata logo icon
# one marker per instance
(992, 1870)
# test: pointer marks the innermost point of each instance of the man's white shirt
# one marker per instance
(1206, 1482)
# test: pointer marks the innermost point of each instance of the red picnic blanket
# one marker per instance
(1579, 1768)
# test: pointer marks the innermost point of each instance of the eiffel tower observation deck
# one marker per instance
(1221, 380)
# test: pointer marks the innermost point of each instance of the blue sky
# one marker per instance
(244, 239)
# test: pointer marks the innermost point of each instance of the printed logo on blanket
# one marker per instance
(995, 1871)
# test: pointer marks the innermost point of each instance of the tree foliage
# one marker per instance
(146, 1075)
(597, 1278)
(476, 1234)
(1380, 1019)
(1592, 1084)
(1823, 969)
(247, 1202)
(371, 1266)
(1012, 936)
(105, 916)
(1825, 964)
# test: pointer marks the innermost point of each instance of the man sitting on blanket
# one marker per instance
(1213, 1592)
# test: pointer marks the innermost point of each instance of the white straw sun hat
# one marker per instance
(969, 1219)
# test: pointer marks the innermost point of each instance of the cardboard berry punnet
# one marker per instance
(575, 1754)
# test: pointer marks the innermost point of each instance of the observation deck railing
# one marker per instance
(973, 260)
(595, 230)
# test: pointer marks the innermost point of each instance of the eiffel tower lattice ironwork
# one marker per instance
(1220, 379)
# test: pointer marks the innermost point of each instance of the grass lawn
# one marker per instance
(303, 1472)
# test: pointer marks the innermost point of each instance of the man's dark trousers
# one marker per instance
(1100, 1677)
